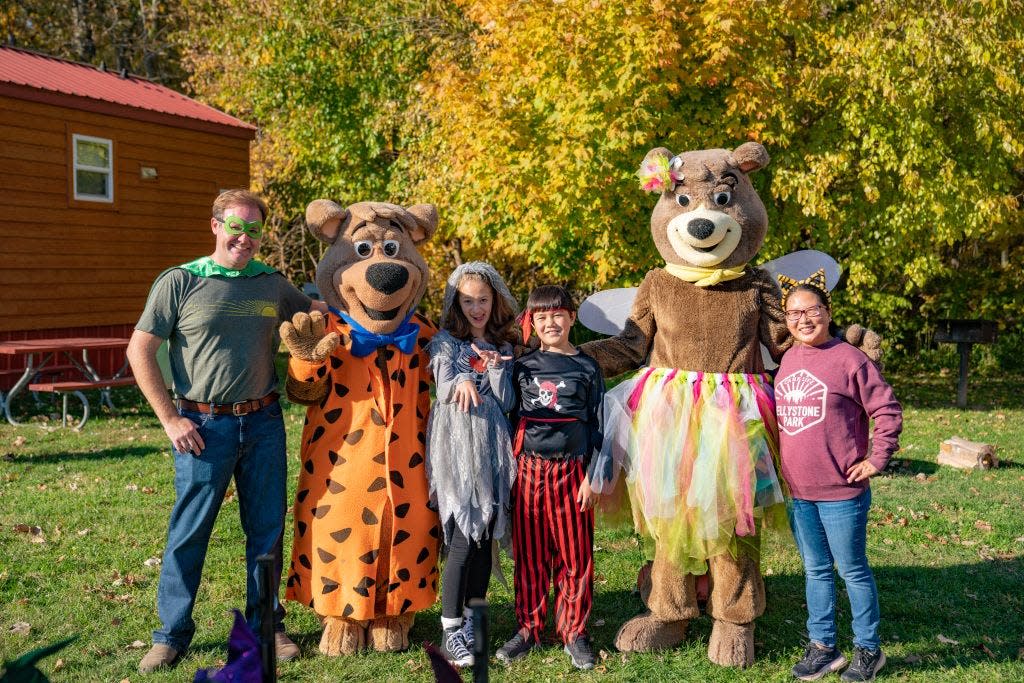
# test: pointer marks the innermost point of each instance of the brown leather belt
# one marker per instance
(240, 408)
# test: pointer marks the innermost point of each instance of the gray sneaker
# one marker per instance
(517, 647)
(159, 656)
(817, 662)
(866, 664)
(580, 653)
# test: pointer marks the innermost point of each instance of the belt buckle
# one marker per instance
(238, 408)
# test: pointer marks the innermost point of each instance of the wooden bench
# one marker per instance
(77, 387)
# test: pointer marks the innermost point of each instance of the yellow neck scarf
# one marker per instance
(704, 277)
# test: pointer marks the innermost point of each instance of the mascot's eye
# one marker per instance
(682, 200)
(722, 198)
(391, 247)
(363, 248)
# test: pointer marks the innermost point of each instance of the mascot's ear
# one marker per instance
(750, 156)
(426, 222)
(324, 219)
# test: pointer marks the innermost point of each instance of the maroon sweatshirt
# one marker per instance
(824, 396)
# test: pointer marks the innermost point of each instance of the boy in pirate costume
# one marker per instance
(558, 429)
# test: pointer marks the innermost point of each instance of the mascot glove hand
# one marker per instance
(306, 339)
(864, 339)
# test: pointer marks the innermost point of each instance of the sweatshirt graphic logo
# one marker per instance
(800, 402)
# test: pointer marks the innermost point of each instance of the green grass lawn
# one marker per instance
(947, 547)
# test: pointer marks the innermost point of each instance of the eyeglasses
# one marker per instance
(812, 313)
(233, 225)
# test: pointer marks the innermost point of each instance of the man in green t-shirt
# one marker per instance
(220, 316)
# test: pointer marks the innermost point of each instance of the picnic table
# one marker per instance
(41, 354)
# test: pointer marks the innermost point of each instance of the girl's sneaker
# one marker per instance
(817, 662)
(517, 647)
(866, 664)
(454, 648)
(467, 631)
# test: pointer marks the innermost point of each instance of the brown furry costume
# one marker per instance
(708, 218)
(366, 544)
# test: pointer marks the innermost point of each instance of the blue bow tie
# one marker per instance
(365, 342)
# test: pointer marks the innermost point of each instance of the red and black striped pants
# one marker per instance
(552, 539)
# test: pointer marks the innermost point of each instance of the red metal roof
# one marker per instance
(30, 75)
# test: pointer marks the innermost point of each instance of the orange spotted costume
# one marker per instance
(366, 544)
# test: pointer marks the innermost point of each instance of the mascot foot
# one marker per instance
(731, 644)
(390, 634)
(342, 636)
(646, 633)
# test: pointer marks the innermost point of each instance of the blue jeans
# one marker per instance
(252, 449)
(835, 532)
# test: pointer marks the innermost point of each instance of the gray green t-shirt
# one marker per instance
(222, 332)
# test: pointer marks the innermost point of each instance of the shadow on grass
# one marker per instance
(977, 605)
(118, 453)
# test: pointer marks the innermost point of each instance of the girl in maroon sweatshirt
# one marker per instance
(826, 391)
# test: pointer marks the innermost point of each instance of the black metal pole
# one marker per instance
(961, 388)
(268, 652)
(480, 639)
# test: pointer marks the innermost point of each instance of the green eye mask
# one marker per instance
(233, 225)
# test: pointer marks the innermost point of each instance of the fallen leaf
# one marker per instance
(912, 659)
(599, 622)
(983, 525)
(984, 648)
(35, 534)
(148, 489)
(152, 562)
(921, 476)
(58, 665)
(19, 442)
(946, 641)
(126, 680)
(888, 541)
(20, 627)
(131, 487)
(116, 621)
(136, 645)
(22, 601)
(83, 532)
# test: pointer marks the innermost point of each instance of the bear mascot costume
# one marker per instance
(366, 542)
(695, 428)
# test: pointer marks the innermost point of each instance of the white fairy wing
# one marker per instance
(606, 312)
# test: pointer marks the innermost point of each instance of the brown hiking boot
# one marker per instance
(158, 657)
(284, 647)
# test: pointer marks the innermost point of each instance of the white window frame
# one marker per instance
(109, 171)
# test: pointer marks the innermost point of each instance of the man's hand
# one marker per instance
(862, 470)
(586, 496)
(184, 434)
(306, 338)
(466, 395)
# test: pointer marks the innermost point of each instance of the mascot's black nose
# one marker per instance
(387, 278)
(701, 228)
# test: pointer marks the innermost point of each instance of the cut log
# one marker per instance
(967, 455)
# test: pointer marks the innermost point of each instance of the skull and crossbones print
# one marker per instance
(547, 394)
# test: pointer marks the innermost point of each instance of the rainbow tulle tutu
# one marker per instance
(699, 453)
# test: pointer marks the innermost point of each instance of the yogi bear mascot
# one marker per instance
(366, 543)
(695, 427)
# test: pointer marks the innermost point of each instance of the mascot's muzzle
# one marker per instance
(704, 237)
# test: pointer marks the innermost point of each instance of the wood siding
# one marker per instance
(88, 265)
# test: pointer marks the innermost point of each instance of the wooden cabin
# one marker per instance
(106, 179)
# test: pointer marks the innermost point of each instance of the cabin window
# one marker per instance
(93, 168)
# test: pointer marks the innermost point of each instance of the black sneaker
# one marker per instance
(467, 632)
(866, 664)
(516, 648)
(580, 653)
(817, 662)
(453, 647)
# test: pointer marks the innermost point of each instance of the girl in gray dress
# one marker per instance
(469, 455)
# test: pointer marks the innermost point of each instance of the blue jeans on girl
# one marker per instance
(835, 533)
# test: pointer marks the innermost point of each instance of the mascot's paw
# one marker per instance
(866, 340)
(731, 644)
(390, 634)
(646, 633)
(342, 636)
(306, 338)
